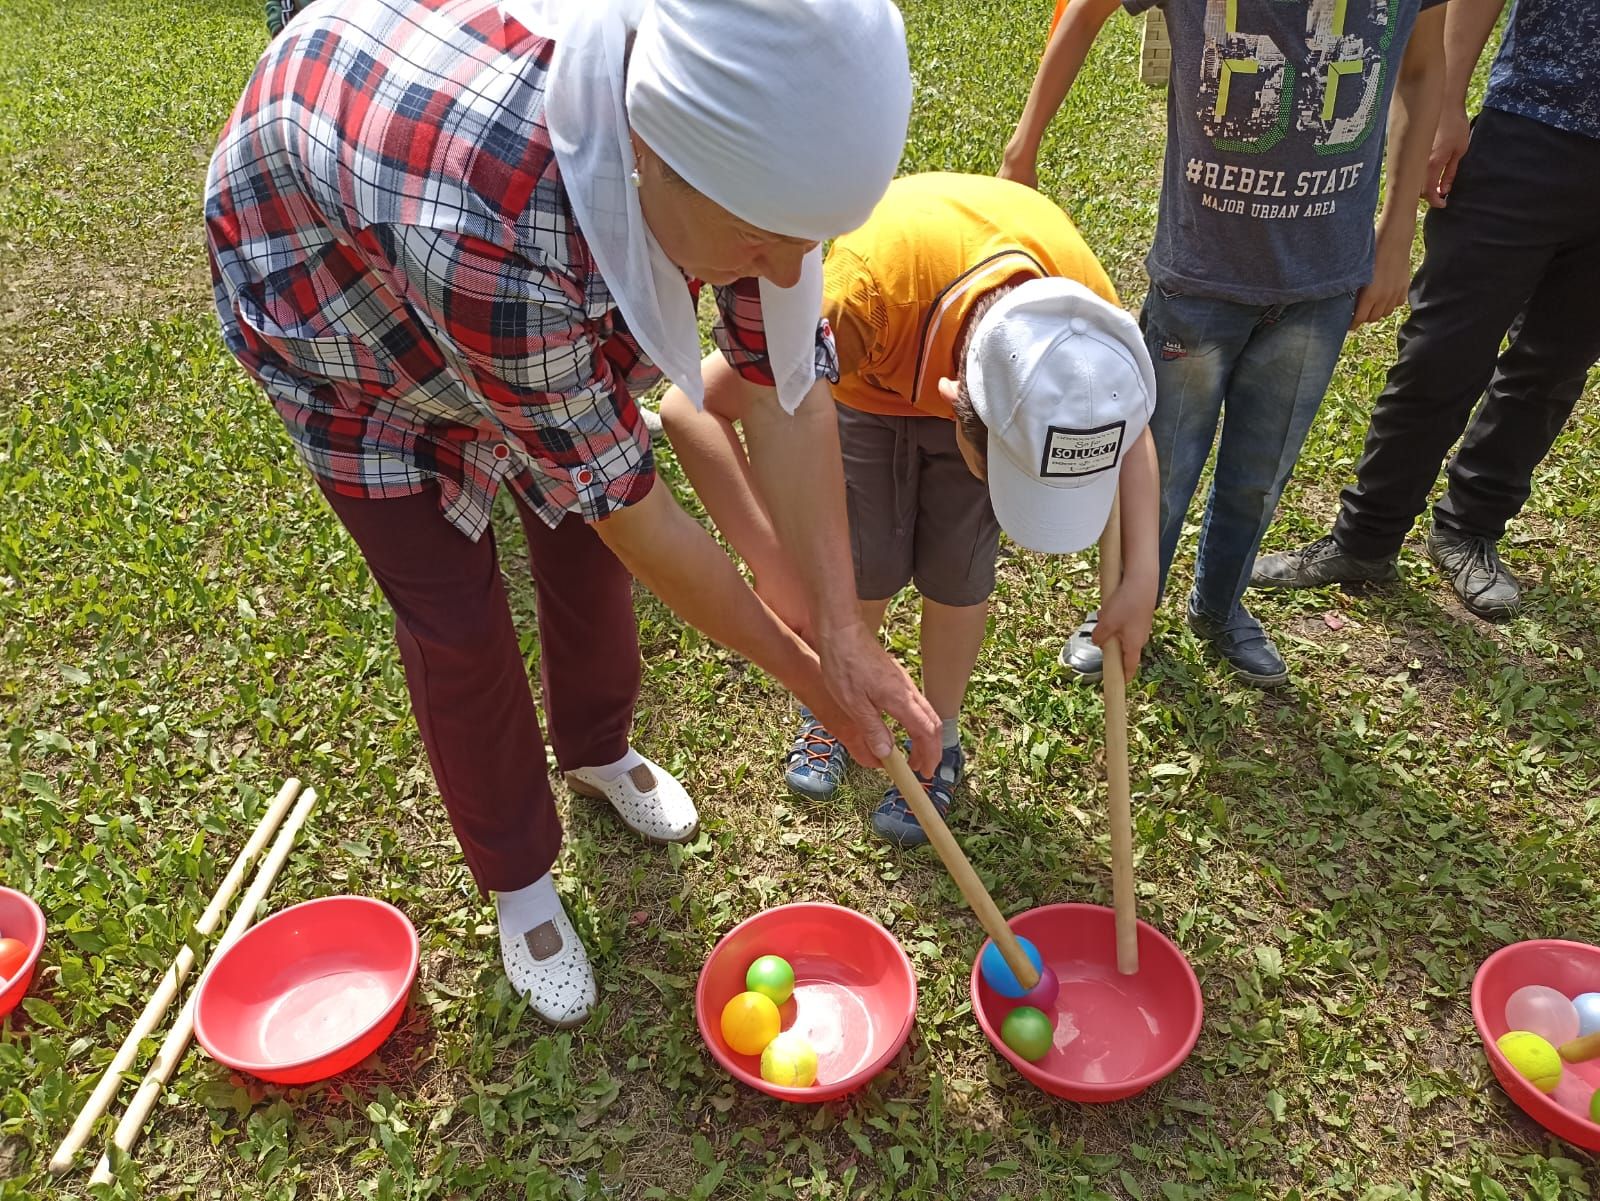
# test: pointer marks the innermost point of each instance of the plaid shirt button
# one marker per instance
(502, 452)
(585, 477)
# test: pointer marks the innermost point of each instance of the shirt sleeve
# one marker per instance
(538, 366)
(741, 336)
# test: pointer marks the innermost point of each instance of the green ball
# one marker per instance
(1594, 1106)
(1028, 1032)
(771, 976)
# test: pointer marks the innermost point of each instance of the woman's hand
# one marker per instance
(866, 683)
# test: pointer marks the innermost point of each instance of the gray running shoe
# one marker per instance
(1473, 567)
(1322, 562)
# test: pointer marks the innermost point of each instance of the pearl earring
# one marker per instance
(633, 178)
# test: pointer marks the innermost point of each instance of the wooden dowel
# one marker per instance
(1119, 805)
(1578, 1050)
(960, 869)
(105, 1089)
(177, 1040)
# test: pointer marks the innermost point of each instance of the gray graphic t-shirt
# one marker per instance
(1548, 67)
(1275, 131)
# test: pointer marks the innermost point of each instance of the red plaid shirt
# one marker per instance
(395, 260)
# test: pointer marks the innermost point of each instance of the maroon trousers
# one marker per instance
(469, 685)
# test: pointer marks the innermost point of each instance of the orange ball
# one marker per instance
(13, 954)
(749, 1022)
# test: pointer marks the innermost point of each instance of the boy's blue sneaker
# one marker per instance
(894, 820)
(817, 760)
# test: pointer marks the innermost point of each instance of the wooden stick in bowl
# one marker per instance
(177, 1040)
(105, 1089)
(960, 869)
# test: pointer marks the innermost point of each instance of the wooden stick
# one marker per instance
(1119, 806)
(1579, 1049)
(177, 1040)
(960, 869)
(105, 1090)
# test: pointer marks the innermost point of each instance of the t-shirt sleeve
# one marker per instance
(854, 308)
(741, 336)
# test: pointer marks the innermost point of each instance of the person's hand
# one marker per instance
(1127, 616)
(866, 683)
(1391, 273)
(1019, 166)
(1449, 144)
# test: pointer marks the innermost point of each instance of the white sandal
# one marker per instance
(549, 966)
(648, 800)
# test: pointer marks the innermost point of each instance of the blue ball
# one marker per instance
(1588, 1007)
(992, 967)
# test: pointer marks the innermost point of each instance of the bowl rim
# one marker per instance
(1084, 1089)
(1491, 1049)
(34, 951)
(812, 1092)
(253, 1067)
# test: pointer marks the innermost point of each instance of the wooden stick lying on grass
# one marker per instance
(960, 869)
(177, 1040)
(105, 1090)
(1119, 805)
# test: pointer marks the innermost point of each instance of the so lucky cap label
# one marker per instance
(1072, 453)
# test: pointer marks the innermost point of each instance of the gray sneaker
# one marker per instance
(1473, 567)
(1322, 562)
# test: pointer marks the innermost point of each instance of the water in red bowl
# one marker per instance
(1572, 968)
(22, 920)
(1115, 1035)
(310, 991)
(855, 995)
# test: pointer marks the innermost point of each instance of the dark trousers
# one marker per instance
(1517, 249)
(469, 684)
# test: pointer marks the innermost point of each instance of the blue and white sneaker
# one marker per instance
(893, 819)
(817, 760)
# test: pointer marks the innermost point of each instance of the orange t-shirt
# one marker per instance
(897, 290)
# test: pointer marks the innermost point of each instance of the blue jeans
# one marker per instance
(1271, 364)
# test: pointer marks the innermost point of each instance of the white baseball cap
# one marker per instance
(1065, 386)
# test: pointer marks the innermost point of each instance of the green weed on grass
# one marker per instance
(182, 624)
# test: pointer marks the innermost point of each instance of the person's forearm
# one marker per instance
(1140, 490)
(674, 557)
(1058, 69)
(1466, 31)
(1413, 117)
(797, 468)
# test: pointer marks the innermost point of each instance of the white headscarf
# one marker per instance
(790, 114)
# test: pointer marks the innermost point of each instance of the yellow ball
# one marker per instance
(789, 1060)
(1535, 1060)
(749, 1022)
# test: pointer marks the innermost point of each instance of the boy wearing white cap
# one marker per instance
(988, 380)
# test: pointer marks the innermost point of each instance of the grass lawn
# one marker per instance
(183, 624)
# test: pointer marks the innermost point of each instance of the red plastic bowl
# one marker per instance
(855, 995)
(310, 991)
(1115, 1035)
(1569, 967)
(20, 919)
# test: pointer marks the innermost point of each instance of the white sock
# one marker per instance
(951, 728)
(528, 908)
(610, 771)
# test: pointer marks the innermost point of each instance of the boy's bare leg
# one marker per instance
(951, 638)
(714, 459)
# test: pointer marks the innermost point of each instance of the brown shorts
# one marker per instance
(916, 512)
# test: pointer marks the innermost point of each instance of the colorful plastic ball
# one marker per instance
(1535, 1060)
(1042, 996)
(1000, 977)
(771, 976)
(749, 1022)
(1594, 1107)
(1028, 1032)
(1588, 1007)
(789, 1060)
(1544, 1012)
(13, 954)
